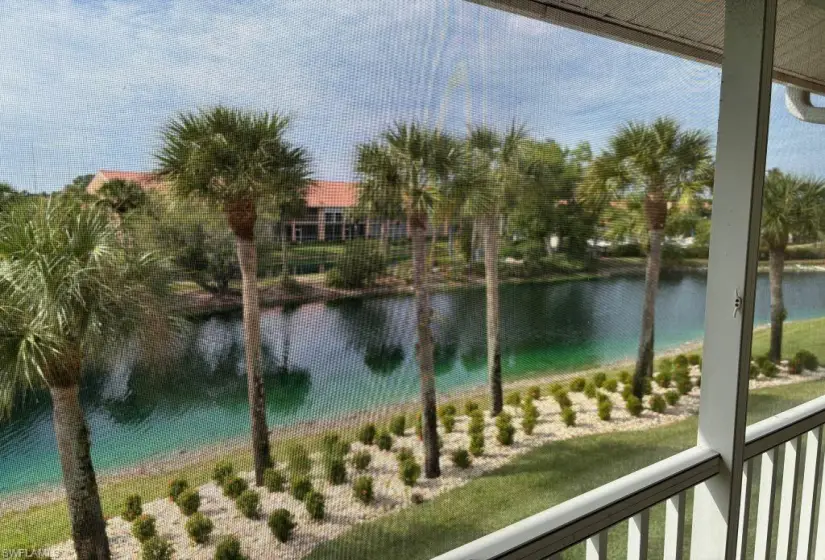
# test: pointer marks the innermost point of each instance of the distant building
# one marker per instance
(147, 180)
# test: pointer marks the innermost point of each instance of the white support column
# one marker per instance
(737, 206)
(596, 547)
(637, 535)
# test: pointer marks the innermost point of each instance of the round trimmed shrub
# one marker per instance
(314, 502)
(590, 390)
(470, 407)
(199, 527)
(281, 524)
(604, 410)
(477, 444)
(683, 384)
(156, 548)
(680, 361)
(177, 487)
(530, 418)
(274, 480)
(133, 507)
(229, 548)
(334, 447)
(398, 425)
(665, 366)
(625, 377)
(300, 486)
(384, 441)
(362, 489)
(568, 416)
(448, 423)
(634, 405)
(143, 528)
(610, 385)
(563, 400)
(367, 434)
(249, 504)
(663, 380)
(461, 458)
(801, 361)
(577, 384)
(336, 470)
(222, 472)
(506, 431)
(299, 460)
(361, 460)
(555, 388)
(513, 399)
(189, 501)
(672, 397)
(601, 397)
(409, 472)
(657, 404)
(627, 392)
(476, 422)
(534, 392)
(769, 369)
(695, 360)
(447, 409)
(404, 454)
(599, 378)
(234, 486)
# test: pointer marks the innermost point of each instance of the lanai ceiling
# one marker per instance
(691, 28)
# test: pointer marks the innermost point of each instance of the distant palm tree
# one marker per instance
(491, 177)
(378, 195)
(650, 167)
(419, 162)
(122, 196)
(792, 206)
(69, 289)
(238, 161)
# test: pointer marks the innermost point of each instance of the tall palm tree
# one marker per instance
(657, 165)
(69, 288)
(378, 197)
(792, 206)
(421, 161)
(491, 177)
(238, 161)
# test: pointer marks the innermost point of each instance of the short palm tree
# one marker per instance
(122, 196)
(657, 165)
(70, 288)
(238, 161)
(491, 177)
(792, 206)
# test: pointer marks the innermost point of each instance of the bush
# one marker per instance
(807, 360)
(299, 460)
(577, 384)
(563, 400)
(672, 397)
(249, 504)
(634, 405)
(665, 366)
(199, 527)
(300, 486)
(448, 422)
(534, 392)
(599, 379)
(358, 266)
(657, 404)
(590, 390)
(384, 441)
(610, 385)
(417, 498)
(683, 384)
(461, 458)
(604, 410)
(513, 399)
(176, 488)
(506, 431)
(334, 447)
(769, 369)
(367, 434)
(419, 426)
(157, 548)
(695, 360)
(233, 487)
(647, 386)
(398, 425)
(133, 508)
(362, 489)
(470, 407)
(477, 444)
(223, 470)
(314, 502)
(753, 372)
(229, 548)
(627, 392)
(600, 397)
(336, 470)
(143, 528)
(476, 422)
(189, 501)
(409, 471)
(568, 416)
(281, 524)
(663, 380)
(361, 460)
(680, 361)
(274, 480)
(530, 418)
(555, 388)
(625, 377)
(404, 454)
(447, 409)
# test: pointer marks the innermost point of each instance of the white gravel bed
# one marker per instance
(343, 510)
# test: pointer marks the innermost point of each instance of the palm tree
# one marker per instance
(377, 196)
(238, 161)
(69, 288)
(122, 196)
(792, 206)
(490, 181)
(420, 161)
(651, 167)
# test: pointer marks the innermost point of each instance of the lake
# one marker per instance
(327, 360)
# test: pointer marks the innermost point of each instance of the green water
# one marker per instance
(326, 360)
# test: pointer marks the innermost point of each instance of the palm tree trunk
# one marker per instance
(385, 238)
(644, 362)
(777, 266)
(83, 499)
(284, 255)
(425, 347)
(493, 315)
(248, 261)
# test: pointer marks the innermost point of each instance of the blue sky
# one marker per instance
(88, 85)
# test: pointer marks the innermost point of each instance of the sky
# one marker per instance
(88, 85)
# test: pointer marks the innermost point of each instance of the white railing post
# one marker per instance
(737, 206)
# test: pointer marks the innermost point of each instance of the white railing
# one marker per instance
(589, 517)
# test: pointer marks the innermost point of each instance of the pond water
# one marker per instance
(326, 360)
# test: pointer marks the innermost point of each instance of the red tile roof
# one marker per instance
(332, 194)
(146, 180)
